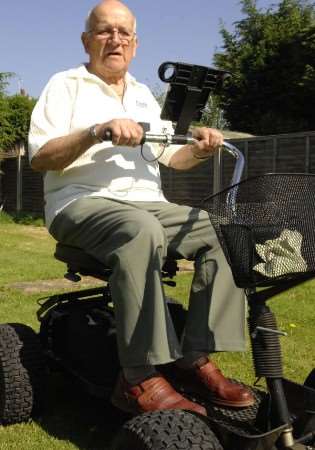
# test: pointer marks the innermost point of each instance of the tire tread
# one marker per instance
(166, 430)
(21, 370)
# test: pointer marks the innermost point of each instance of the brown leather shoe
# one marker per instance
(224, 392)
(206, 379)
(152, 394)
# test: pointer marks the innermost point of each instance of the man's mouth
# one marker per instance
(113, 53)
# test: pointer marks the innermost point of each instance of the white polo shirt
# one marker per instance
(75, 100)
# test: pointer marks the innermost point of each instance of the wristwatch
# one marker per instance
(92, 131)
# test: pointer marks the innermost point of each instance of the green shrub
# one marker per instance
(22, 219)
(5, 217)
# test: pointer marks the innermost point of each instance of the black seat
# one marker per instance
(80, 262)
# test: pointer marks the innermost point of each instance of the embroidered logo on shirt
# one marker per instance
(141, 104)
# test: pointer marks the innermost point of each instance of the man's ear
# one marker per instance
(136, 44)
(84, 40)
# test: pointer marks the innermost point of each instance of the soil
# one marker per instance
(34, 287)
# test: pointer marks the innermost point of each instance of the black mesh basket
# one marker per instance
(266, 226)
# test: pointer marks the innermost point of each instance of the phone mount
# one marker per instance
(188, 92)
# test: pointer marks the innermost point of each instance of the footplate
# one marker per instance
(242, 428)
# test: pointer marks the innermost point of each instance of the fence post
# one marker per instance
(19, 178)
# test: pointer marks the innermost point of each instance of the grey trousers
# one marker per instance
(133, 238)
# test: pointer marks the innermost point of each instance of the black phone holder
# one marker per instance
(188, 92)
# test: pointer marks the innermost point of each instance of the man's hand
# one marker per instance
(209, 140)
(124, 132)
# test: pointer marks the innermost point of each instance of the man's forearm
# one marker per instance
(58, 153)
(186, 158)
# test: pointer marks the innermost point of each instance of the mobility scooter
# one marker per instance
(267, 234)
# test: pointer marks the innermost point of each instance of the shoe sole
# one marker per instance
(205, 394)
(220, 402)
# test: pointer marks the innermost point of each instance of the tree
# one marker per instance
(4, 76)
(214, 115)
(15, 114)
(271, 57)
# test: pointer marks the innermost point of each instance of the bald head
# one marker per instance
(105, 8)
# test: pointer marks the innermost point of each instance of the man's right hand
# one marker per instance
(124, 131)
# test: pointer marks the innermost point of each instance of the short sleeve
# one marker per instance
(52, 114)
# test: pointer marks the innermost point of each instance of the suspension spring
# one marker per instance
(265, 344)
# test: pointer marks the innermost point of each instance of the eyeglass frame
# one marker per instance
(124, 39)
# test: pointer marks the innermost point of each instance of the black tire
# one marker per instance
(166, 430)
(305, 422)
(310, 380)
(21, 373)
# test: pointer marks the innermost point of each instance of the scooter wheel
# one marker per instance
(310, 380)
(166, 430)
(305, 422)
(21, 373)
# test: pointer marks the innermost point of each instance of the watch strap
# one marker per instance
(92, 132)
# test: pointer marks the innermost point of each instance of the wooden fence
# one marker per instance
(22, 189)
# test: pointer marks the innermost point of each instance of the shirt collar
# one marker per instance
(82, 72)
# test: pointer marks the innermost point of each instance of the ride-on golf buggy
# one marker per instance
(266, 229)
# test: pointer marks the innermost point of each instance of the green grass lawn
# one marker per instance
(71, 419)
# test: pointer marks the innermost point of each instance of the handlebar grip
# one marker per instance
(145, 126)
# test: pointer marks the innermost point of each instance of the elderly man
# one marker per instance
(106, 199)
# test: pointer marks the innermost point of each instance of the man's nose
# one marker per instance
(115, 36)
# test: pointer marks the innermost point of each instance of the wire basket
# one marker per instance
(266, 227)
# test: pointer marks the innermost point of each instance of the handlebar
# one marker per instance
(177, 139)
(239, 164)
(166, 139)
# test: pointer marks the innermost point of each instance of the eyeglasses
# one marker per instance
(125, 35)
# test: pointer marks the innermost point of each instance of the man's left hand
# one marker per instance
(209, 140)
